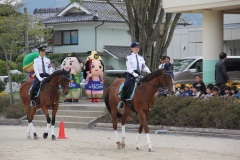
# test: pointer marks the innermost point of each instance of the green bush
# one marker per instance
(2, 86)
(4, 101)
(16, 111)
(18, 77)
(3, 68)
(190, 112)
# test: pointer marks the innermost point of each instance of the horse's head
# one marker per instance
(160, 78)
(64, 82)
(167, 83)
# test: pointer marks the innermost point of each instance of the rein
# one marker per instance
(154, 86)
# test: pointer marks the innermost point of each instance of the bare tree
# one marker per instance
(150, 26)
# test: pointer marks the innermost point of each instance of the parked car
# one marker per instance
(115, 73)
(186, 69)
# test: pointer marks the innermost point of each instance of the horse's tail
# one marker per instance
(106, 100)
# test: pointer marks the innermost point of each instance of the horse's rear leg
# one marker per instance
(143, 122)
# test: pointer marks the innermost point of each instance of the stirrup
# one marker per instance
(32, 103)
(121, 104)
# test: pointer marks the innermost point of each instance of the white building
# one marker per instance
(92, 25)
(188, 41)
(214, 38)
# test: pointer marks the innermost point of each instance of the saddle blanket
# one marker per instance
(131, 95)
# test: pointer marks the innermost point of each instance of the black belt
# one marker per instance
(43, 75)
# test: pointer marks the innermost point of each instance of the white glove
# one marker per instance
(40, 79)
(135, 74)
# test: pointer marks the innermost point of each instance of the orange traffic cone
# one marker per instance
(61, 134)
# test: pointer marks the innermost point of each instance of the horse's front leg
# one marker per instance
(124, 117)
(114, 122)
(54, 112)
(140, 128)
(45, 134)
(30, 127)
(143, 122)
(45, 112)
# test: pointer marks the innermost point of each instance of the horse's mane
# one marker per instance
(57, 72)
(152, 75)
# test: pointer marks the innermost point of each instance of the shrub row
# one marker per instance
(190, 112)
(15, 111)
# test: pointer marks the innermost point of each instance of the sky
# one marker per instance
(194, 19)
(33, 4)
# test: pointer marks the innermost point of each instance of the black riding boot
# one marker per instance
(121, 104)
(32, 102)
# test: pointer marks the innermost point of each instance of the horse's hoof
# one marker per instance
(45, 135)
(53, 138)
(122, 145)
(118, 145)
(28, 136)
(150, 150)
(138, 148)
(35, 136)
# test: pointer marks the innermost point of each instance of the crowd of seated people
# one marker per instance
(203, 92)
(227, 93)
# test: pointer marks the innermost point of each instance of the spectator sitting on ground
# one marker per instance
(188, 90)
(196, 93)
(199, 84)
(238, 93)
(210, 86)
(215, 92)
(182, 92)
(222, 90)
(177, 86)
(209, 93)
(227, 92)
(233, 91)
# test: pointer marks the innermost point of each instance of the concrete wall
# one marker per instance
(107, 34)
(187, 41)
(188, 6)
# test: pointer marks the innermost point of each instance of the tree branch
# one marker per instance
(172, 29)
(119, 12)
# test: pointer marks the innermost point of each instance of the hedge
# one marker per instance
(190, 112)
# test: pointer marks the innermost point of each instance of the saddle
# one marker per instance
(36, 91)
(130, 91)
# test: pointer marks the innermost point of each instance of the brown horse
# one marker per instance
(49, 97)
(142, 101)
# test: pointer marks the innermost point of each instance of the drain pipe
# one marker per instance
(96, 34)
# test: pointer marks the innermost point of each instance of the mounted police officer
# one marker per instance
(135, 64)
(42, 68)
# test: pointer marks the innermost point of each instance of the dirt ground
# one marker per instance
(100, 145)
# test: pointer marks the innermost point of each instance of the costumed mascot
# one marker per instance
(28, 62)
(93, 75)
(72, 62)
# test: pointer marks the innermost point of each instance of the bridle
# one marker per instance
(164, 85)
(63, 78)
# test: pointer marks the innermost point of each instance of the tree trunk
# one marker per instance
(10, 83)
(150, 26)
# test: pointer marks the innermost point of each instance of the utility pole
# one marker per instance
(26, 32)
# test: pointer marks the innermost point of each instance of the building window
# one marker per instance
(70, 37)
